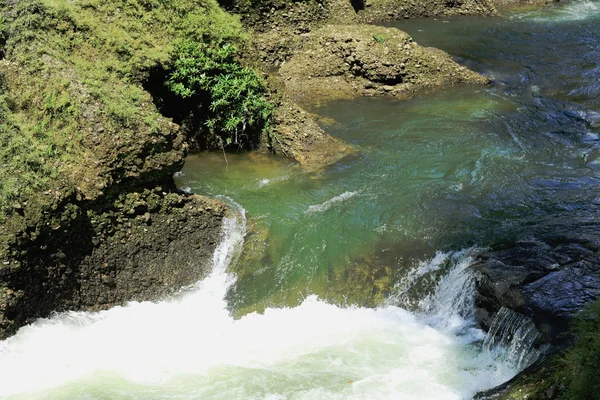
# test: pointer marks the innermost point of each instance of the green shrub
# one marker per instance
(238, 111)
(582, 361)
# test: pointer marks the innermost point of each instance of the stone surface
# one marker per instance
(137, 246)
(547, 281)
(346, 61)
(391, 10)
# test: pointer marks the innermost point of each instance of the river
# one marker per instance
(353, 282)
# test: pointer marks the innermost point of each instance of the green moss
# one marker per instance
(3, 32)
(73, 109)
(571, 374)
(24, 157)
(379, 38)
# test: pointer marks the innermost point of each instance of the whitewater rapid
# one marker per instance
(189, 347)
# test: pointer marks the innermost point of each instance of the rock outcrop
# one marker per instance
(90, 214)
(140, 245)
(366, 60)
(296, 134)
(548, 282)
(391, 10)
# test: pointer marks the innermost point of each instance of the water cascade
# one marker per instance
(513, 337)
(190, 347)
(354, 288)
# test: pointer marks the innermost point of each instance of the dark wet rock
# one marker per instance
(547, 281)
(141, 245)
(593, 118)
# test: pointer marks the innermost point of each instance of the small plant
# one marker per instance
(379, 38)
(238, 110)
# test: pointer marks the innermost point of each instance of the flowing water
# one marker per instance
(354, 282)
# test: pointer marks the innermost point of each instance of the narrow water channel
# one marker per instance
(353, 282)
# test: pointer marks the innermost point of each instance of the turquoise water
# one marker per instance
(352, 282)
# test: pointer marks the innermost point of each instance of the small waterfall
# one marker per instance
(192, 347)
(450, 307)
(512, 337)
(233, 234)
(454, 294)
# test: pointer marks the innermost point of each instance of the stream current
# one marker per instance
(353, 282)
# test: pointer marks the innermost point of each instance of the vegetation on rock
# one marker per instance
(581, 362)
(571, 374)
(75, 114)
(238, 111)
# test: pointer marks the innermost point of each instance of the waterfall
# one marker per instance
(512, 337)
(190, 346)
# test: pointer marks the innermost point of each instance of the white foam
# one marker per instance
(329, 203)
(571, 11)
(191, 348)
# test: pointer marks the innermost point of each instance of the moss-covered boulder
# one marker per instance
(79, 131)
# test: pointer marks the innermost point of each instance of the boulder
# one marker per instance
(548, 281)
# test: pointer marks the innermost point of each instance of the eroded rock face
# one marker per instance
(548, 282)
(366, 60)
(138, 246)
(391, 10)
(296, 134)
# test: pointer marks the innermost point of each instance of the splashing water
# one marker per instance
(190, 347)
(513, 336)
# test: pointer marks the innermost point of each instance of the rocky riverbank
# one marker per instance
(140, 245)
(547, 282)
(90, 215)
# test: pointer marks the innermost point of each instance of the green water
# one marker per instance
(442, 171)
(463, 166)
(356, 271)
(420, 182)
